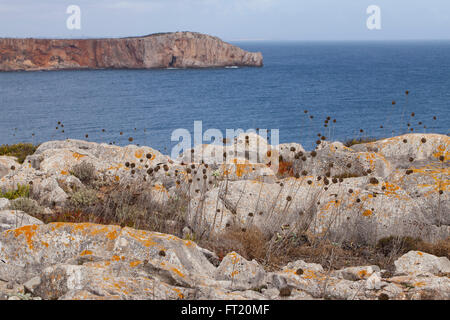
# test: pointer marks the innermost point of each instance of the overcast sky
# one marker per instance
(230, 19)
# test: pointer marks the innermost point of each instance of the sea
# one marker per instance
(340, 90)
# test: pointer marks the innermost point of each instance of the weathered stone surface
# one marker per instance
(12, 219)
(367, 213)
(341, 161)
(356, 273)
(28, 250)
(163, 50)
(417, 262)
(4, 203)
(5, 165)
(240, 272)
(418, 146)
(426, 287)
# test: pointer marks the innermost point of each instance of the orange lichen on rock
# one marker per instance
(178, 272)
(135, 263)
(78, 156)
(180, 294)
(442, 150)
(86, 252)
(28, 232)
(367, 213)
(362, 274)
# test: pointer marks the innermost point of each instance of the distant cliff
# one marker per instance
(163, 50)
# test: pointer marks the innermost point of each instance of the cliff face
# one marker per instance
(177, 50)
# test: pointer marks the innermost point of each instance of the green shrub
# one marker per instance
(22, 191)
(84, 171)
(27, 205)
(20, 150)
(83, 198)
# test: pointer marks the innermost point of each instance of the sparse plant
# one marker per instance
(22, 191)
(84, 171)
(27, 205)
(20, 150)
(83, 198)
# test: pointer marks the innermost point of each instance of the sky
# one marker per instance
(231, 20)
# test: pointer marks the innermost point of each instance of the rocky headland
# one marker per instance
(82, 220)
(164, 50)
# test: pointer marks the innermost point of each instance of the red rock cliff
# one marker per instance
(177, 50)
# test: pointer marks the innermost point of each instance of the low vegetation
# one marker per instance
(84, 171)
(20, 150)
(22, 191)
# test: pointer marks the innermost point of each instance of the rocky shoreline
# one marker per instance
(163, 50)
(349, 196)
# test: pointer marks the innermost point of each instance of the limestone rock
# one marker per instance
(356, 273)
(417, 262)
(4, 203)
(6, 163)
(418, 146)
(12, 219)
(240, 271)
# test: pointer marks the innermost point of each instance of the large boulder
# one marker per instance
(417, 262)
(59, 157)
(357, 209)
(419, 146)
(334, 160)
(242, 273)
(28, 250)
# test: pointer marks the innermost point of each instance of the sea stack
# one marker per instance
(162, 50)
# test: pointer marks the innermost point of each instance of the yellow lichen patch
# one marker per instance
(367, 213)
(64, 172)
(159, 188)
(135, 263)
(234, 258)
(419, 253)
(142, 236)
(86, 252)
(362, 274)
(180, 294)
(28, 232)
(188, 243)
(178, 272)
(115, 258)
(78, 156)
(139, 153)
(309, 274)
(419, 284)
(234, 273)
(442, 150)
(116, 178)
(112, 235)
(117, 167)
(242, 168)
(45, 244)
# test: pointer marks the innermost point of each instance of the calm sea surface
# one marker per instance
(354, 83)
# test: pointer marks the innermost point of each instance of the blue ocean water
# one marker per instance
(352, 82)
